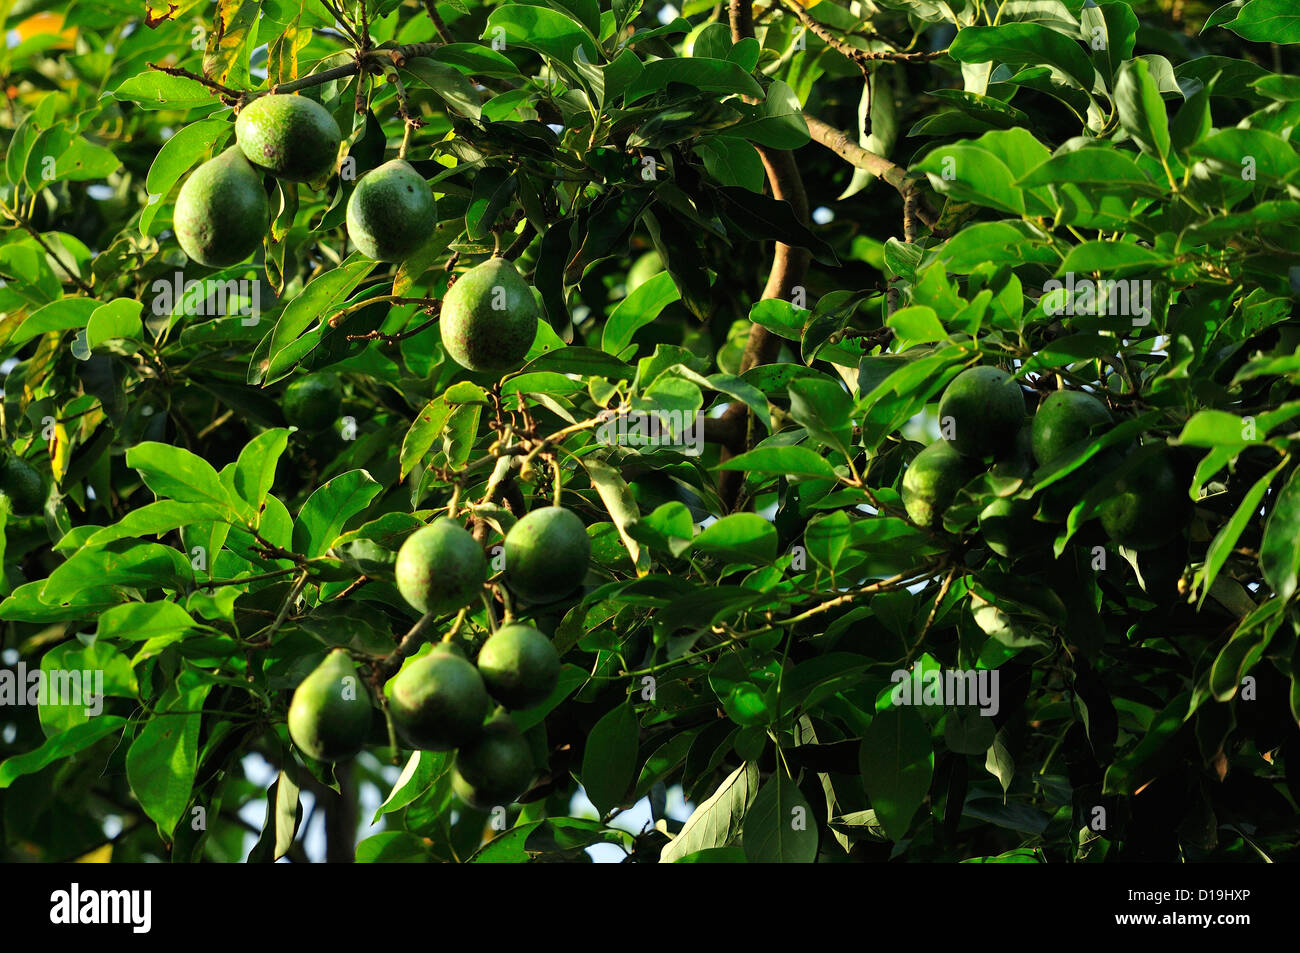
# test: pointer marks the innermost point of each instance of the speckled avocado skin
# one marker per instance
(986, 408)
(519, 665)
(495, 768)
(438, 702)
(391, 212)
(489, 318)
(292, 137)
(440, 568)
(329, 716)
(221, 213)
(547, 553)
(1064, 419)
(932, 480)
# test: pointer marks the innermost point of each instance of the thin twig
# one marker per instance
(31, 229)
(862, 58)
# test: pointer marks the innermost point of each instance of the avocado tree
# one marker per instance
(872, 422)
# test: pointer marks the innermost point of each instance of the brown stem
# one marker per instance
(439, 25)
(860, 57)
(387, 667)
(789, 270)
(371, 59)
(31, 230)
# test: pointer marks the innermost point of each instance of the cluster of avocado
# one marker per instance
(982, 413)
(489, 317)
(442, 701)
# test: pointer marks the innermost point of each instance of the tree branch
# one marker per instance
(789, 270)
(879, 166)
(859, 56)
(371, 59)
(32, 230)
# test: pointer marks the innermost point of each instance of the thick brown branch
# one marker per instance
(789, 271)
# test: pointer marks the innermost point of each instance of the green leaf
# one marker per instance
(1244, 649)
(123, 563)
(1024, 44)
(897, 763)
(1267, 21)
(823, 407)
(1257, 151)
(162, 761)
(546, 31)
(638, 309)
(828, 537)
(175, 473)
(254, 471)
(609, 761)
(917, 324)
(304, 319)
(179, 153)
(715, 76)
(154, 519)
(619, 502)
(1112, 259)
(796, 461)
(392, 847)
(1279, 552)
(740, 537)
(62, 315)
(717, 821)
(60, 746)
(427, 428)
(1225, 541)
(1141, 109)
(322, 517)
(779, 826)
(153, 90)
(141, 621)
(120, 318)
(422, 769)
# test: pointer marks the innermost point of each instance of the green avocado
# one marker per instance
(1008, 526)
(221, 213)
(1063, 420)
(984, 407)
(292, 137)
(932, 480)
(489, 318)
(1149, 506)
(22, 483)
(329, 716)
(547, 553)
(495, 768)
(391, 212)
(440, 568)
(519, 665)
(438, 702)
(313, 403)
